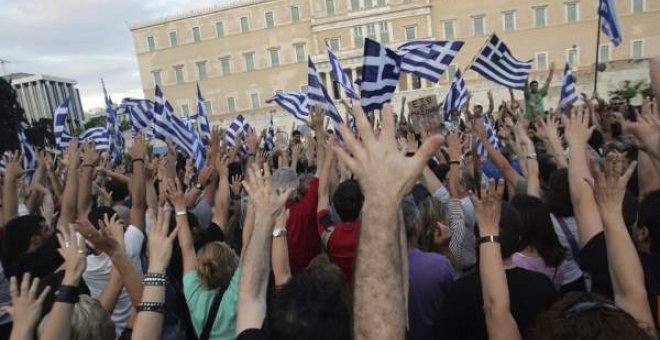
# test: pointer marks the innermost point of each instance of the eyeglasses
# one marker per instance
(587, 306)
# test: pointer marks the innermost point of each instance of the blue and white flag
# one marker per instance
(235, 130)
(3, 164)
(352, 124)
(140, 114)
(492, 139)
(337, 74)
(295, 103)
(456, 97)
(29, 156)
(98, 135)
(60, 125)
(270, 136)
(203, 118)
(610, 21)
(496, 63)
(380, 75)
(568, 93)
(116, 138)
(168, 125)
(318, 94)
(428, 59)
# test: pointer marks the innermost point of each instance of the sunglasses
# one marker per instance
(587, 306)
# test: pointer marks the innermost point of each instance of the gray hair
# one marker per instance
(411, 216)
(285, 179)
(91, 321)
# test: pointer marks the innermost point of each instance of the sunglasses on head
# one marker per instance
(587, 306)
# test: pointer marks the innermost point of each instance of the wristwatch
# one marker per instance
(199, 187)
(279, 232)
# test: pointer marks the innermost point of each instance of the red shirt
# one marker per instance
(343, 243)
(303, 240)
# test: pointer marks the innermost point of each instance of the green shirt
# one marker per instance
(535, 100)
(199, 300)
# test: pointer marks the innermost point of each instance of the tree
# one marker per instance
(96, 122)
(630, 90)
(11, 116)
(40, 134)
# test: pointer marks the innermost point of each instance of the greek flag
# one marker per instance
(428, 59)
(352, 124)
(318, 94)
(29, 156)
(496, 63)
(140, 114)
(116, 138)
(60, 126)
(337, 74)
(610, 21)
(492, 139)
(380, 75)
(456, 97)
(202, 117)
(235, 130)
(295, 103)
(3, 164)
(246, 130)
(270, 136)
(168, 125)
(568, 93)
(98, 135)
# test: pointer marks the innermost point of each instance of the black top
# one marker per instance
(530, 294)
(40, 263)
(252, 334)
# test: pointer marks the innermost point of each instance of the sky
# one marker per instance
(85, 40)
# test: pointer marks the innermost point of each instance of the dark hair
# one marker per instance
(118, 190)
(18, 235)
(235, 168)
(510, 227)
(559, 194)
(314, 304)
(537, 230)
(546, 167)
(649, 217)
(96, 214)
(533, 82)
(440, 170)
(348, 200)
(604, 321)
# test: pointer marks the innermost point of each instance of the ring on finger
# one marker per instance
(66, 244)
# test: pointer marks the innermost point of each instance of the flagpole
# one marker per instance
(600, 18)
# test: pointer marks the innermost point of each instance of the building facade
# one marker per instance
(243, 52)
(40, 95)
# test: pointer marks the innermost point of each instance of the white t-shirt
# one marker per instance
(97, 274)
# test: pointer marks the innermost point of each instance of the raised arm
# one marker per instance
(280, 252)
(175, 195)
(491, 103)
(90, 158)
(138, 189)
(324, 181)
(546, 87)
(495, 155)
(13, 172)
(68, 209)
(221, 209)
(378, 276)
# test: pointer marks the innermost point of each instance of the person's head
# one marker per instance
(91, 321)
(411, 218)
(285, 179)
(478, 109)
(305, 182)
(466, 182)
(296, 137)
(586, 316)
(648, 226)
(434, 234)
(348, 200)
(559, 194)
(534, 86)
(510, 228)
(537, 230)
(314, 304)
(118, 190)
(216, 263)
(23, 235)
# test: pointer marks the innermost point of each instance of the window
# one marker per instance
(448, 27)
(358, 37)
(384, 33)
(573, 57)
(416, 82)
(279, 91)
(225, 66)
(478, 26)
(178, 72)
(371, 31)
(201, 70)
(207, 107)
(303, 88)
(270, 20)
(451, 70)
(541, 61)
(572, 12)
(295, 14)
(330, 7)
(334, 44)
(274, 56)
(254, 99)
(185, 109)
(220, 29)
(300, 52)
(173, 39)
(245, 27)
(151, 43)
(539, 16)
(604, 53)
(509, 21)
(249, 61)
(381, 2)
(411, 32)
(231, 104)
(197, 36)
(157, 79)
(637, 49)
(368, 4)
(355, 5)
(638, 6)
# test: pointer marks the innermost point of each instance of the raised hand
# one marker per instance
(13, 166)
(610, 182)
(577, 128)
(139, 148)
(235, 185)
(317, 117)
(206, 176)
(73, 250)
(160, 242)
(90, 157)
(102, 240)
(488, 208)
(25, 306)
(267, 201)
(72, 154)
(412, 144)
(174, 193)
(454, 146)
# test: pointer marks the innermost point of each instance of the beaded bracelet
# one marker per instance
(67, 294)
(154, 282)
(156, 276)
(157, 307)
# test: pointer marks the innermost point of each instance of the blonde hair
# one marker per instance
(91, 321)
(216, 263)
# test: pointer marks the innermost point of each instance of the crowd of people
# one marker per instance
(398, 230)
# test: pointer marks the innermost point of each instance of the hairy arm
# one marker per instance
(280, 254)
(68, 209)
(138, 196)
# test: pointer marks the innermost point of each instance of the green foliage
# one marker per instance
(96, 122)
(11, 117)
(629, 90)
(124, 125)
(40, 134)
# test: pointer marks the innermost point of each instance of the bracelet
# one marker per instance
(181, 213)
(157, 307)
(410, 154)
(138, 159)
(454, 162)
(488, 239)
(155, 275)
(67, 294)
(154, 282)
